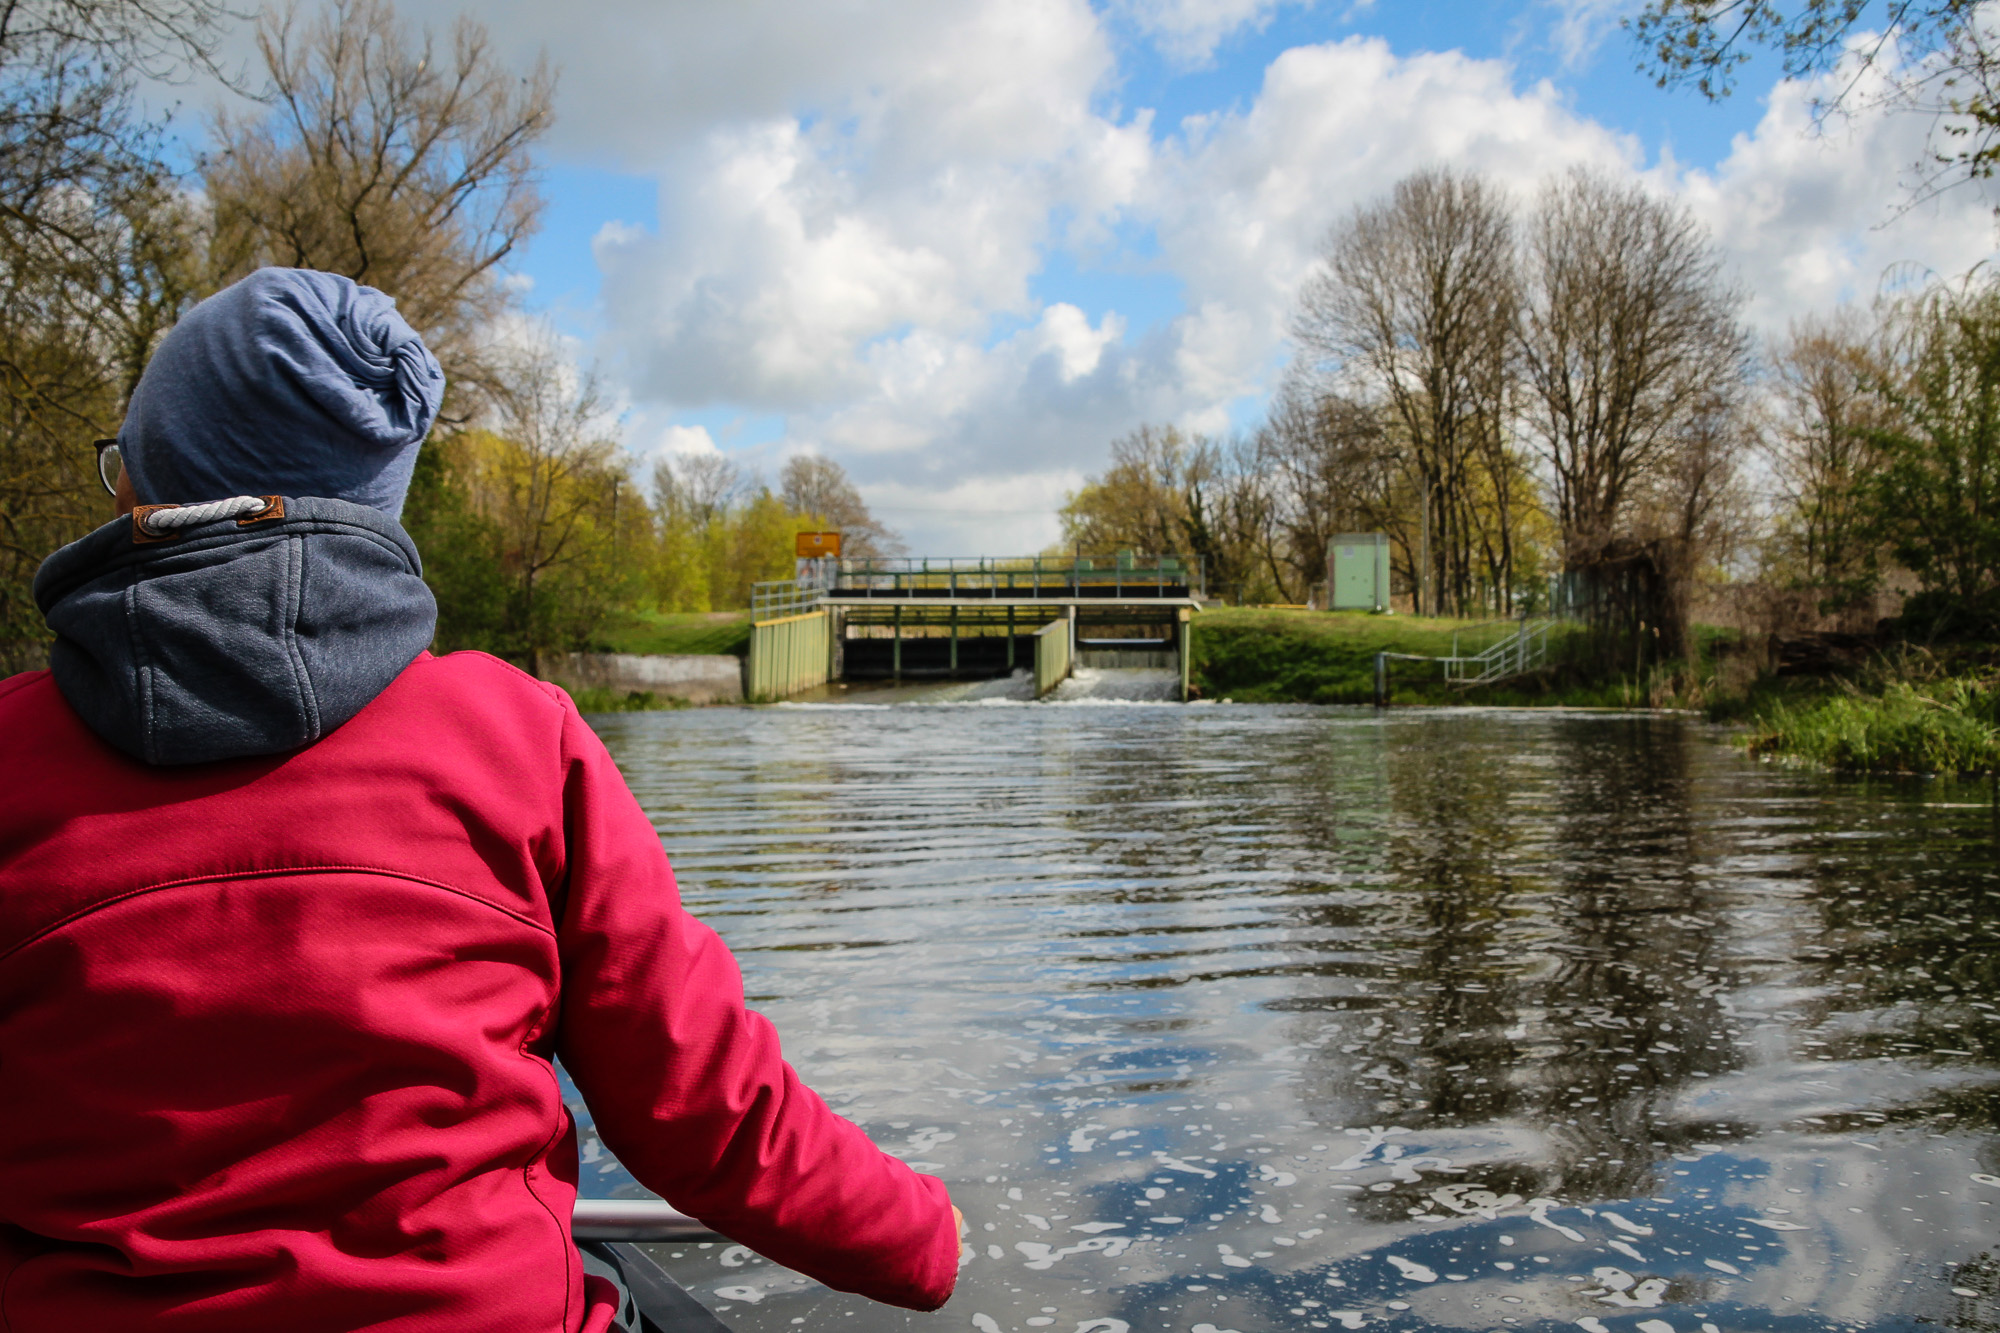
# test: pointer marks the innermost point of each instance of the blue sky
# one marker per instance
(961, 245)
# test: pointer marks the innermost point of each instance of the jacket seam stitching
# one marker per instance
(274, 873)
(295, 592)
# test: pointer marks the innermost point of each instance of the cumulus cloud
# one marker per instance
(859, 204)
(1813, 216)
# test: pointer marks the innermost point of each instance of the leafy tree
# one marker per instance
(1935, 488)
(94, 236)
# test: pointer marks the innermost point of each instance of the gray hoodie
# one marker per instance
(235, 638)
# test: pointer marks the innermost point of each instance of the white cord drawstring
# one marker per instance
(161, 522)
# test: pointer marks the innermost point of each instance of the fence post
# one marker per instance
(1381, 680)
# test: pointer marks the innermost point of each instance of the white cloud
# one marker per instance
(1188, 31)
(1812, 219)
(1579, 27)
(858, 205)
(686, 440)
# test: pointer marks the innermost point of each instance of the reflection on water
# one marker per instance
(1269, 1018)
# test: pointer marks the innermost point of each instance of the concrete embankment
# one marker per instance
(706, 678)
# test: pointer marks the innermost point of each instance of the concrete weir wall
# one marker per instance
(700, 679)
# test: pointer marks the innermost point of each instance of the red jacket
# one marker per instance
(276, 1033)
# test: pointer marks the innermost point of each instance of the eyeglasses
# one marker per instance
(108, 463)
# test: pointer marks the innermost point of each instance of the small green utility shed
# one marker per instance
(1357, 572)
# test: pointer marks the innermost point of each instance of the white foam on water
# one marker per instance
(1098, 685)
(747, 1295)
(1774, 1224)
(1042, 1257)
(1412, 1270)
(1592, 1324)
(1722, 1267)
(1655, 1326)
(1538, 1211)
(985, 1323)
(1628, 1227)
(1626, 1250)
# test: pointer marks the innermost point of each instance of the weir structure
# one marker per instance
(935, 618)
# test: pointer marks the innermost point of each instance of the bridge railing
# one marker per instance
(1126, 574)
(783, 597)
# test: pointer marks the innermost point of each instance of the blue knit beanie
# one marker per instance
(290, 382)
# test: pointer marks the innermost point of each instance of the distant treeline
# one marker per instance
(1562, 402)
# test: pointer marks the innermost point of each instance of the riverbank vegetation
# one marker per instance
(1551, 407)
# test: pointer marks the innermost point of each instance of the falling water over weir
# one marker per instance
(1228, 1018)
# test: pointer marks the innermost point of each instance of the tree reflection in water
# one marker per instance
(1291, 1018)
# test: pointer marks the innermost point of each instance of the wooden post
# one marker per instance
(1010, 629)
(954, 634)
(1381, 680)
(896, 646)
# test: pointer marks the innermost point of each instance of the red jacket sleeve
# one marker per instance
(688, 1087)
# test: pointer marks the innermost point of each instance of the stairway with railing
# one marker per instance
(1520, 651)
(1523, 651)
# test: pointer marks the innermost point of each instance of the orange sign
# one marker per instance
(813, 545)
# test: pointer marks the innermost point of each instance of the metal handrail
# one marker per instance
(1523, 651)
(636, 1220)
(783, 597)
(1020, 577)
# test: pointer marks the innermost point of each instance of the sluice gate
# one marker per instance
(945, 619)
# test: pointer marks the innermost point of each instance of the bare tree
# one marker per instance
(1630, 348)
(389, 159)
(696, 488)
(814, 485)
(1820, 444)
(1413, 307)
(1333, 470)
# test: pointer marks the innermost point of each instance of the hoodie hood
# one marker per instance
(238, 637)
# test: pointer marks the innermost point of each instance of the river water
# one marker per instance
(1243, 1018)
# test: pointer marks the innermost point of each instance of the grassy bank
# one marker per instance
(1907, 710)
(1260, 656)
(653, 632)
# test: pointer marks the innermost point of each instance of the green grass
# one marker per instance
(1271, 656)
(675, 634)
(1907, 713)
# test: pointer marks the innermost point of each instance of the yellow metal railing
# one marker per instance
(789, 655)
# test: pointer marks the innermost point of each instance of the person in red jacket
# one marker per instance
(296, 918)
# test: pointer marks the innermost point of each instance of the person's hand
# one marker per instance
(959, 1218)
